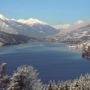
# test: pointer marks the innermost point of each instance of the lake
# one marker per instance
(54, 61)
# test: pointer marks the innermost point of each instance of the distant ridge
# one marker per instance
(29, 27)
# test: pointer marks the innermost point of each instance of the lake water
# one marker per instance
(54, 61)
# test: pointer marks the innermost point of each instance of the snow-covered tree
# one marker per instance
(2, 69)
(4, 79)
(25, 78)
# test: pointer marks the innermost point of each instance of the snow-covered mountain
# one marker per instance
(5, 27)
(29, 27)
(36, 28)
(70, 27)
(79, 31)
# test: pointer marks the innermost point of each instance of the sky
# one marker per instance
(50, 11)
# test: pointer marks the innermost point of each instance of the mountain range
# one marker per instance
(30, 27)
(34, 28)
(79, 31)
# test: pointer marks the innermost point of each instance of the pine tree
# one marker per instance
(4, 79)
(25, 78)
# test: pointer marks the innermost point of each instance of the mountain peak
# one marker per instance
(31, 21)
(2, 16)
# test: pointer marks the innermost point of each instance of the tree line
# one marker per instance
(26, 78)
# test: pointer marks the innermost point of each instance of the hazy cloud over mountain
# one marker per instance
(73, 26)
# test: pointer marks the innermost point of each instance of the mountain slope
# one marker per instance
(78, 32)
(11, 39)
(29, 27)
(81, 33)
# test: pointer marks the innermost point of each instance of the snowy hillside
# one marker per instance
(28, 27)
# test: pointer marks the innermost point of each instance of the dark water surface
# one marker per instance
(54, 61)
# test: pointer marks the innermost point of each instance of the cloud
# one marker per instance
(63, 26)
(79, 22)
(73, 26)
